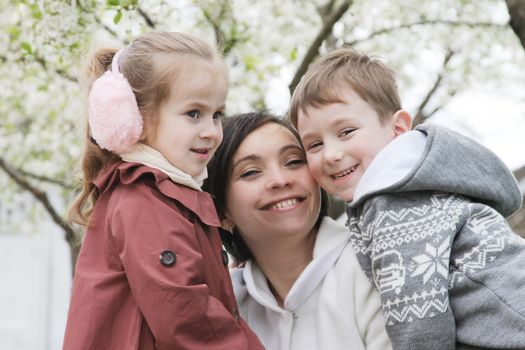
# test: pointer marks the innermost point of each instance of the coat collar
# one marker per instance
(200, 203)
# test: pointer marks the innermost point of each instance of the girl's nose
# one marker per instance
(211, 129)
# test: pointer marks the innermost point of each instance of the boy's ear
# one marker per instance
(402, 122)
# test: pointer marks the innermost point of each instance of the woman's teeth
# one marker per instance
(284, 204)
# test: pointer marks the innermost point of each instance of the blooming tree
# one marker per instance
(439, 49)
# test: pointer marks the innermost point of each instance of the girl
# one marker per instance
(151, 273)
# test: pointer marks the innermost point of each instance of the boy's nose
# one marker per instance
(333, 155)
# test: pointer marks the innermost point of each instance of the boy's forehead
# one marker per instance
(348, 106)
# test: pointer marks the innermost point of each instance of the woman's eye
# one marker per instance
(248, 173)
(218, 115)
(193, 114)
(296, 162)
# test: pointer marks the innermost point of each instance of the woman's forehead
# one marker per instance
(268, 138)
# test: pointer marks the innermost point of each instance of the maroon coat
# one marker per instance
(128, 295)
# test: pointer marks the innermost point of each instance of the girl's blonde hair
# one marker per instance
(149, 64)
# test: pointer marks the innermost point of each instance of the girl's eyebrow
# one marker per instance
(204, 105)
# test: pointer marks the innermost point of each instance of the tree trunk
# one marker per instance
(517, 18)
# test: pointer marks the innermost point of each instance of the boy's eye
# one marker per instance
(314, 146)
(346, 132)
(193, 114)
(218, 115)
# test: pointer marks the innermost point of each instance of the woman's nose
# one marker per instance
(278, 178)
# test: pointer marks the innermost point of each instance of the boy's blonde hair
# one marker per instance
(344, 68)
(150, 64)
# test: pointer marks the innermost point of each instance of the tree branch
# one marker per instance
(313, 50)
(326, 9)
(419, 115)
(60, 72)
(44, 65)
(219, 35)
(438, 108)
(99, 22)
(46, 179)
(224, 44)
(146, 17)
(424, 23)
(71, 236)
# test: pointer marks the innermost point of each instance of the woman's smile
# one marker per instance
(284, 204)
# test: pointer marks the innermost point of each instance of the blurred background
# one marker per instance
(460, 63)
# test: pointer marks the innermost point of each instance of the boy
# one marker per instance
(426, 209)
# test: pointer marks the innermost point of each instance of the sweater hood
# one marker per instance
(434, 158)
(331, 240)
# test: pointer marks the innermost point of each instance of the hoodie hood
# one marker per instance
(434, 158)
(332, 238)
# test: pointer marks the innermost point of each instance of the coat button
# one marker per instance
(225, 258)
(167, 258)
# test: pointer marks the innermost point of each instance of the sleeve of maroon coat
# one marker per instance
(174, 300)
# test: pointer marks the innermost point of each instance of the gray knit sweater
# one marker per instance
(428, 227)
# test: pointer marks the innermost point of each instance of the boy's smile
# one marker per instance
(341, 139)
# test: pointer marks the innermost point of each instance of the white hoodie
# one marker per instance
(332, 305)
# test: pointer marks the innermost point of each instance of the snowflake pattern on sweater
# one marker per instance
(419, 248)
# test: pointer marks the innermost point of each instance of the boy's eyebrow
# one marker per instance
(334, 123)
(306, 135)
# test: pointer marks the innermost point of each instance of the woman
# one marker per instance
(298, 283)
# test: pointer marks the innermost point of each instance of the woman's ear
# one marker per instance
(402, 122)
(227, 225)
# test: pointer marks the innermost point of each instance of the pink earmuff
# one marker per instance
(113, 114)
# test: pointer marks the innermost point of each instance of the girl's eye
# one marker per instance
(193, 114)
(218, 115)
(248, 173)
(347, 132)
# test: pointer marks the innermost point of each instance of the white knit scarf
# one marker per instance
(144, 154)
